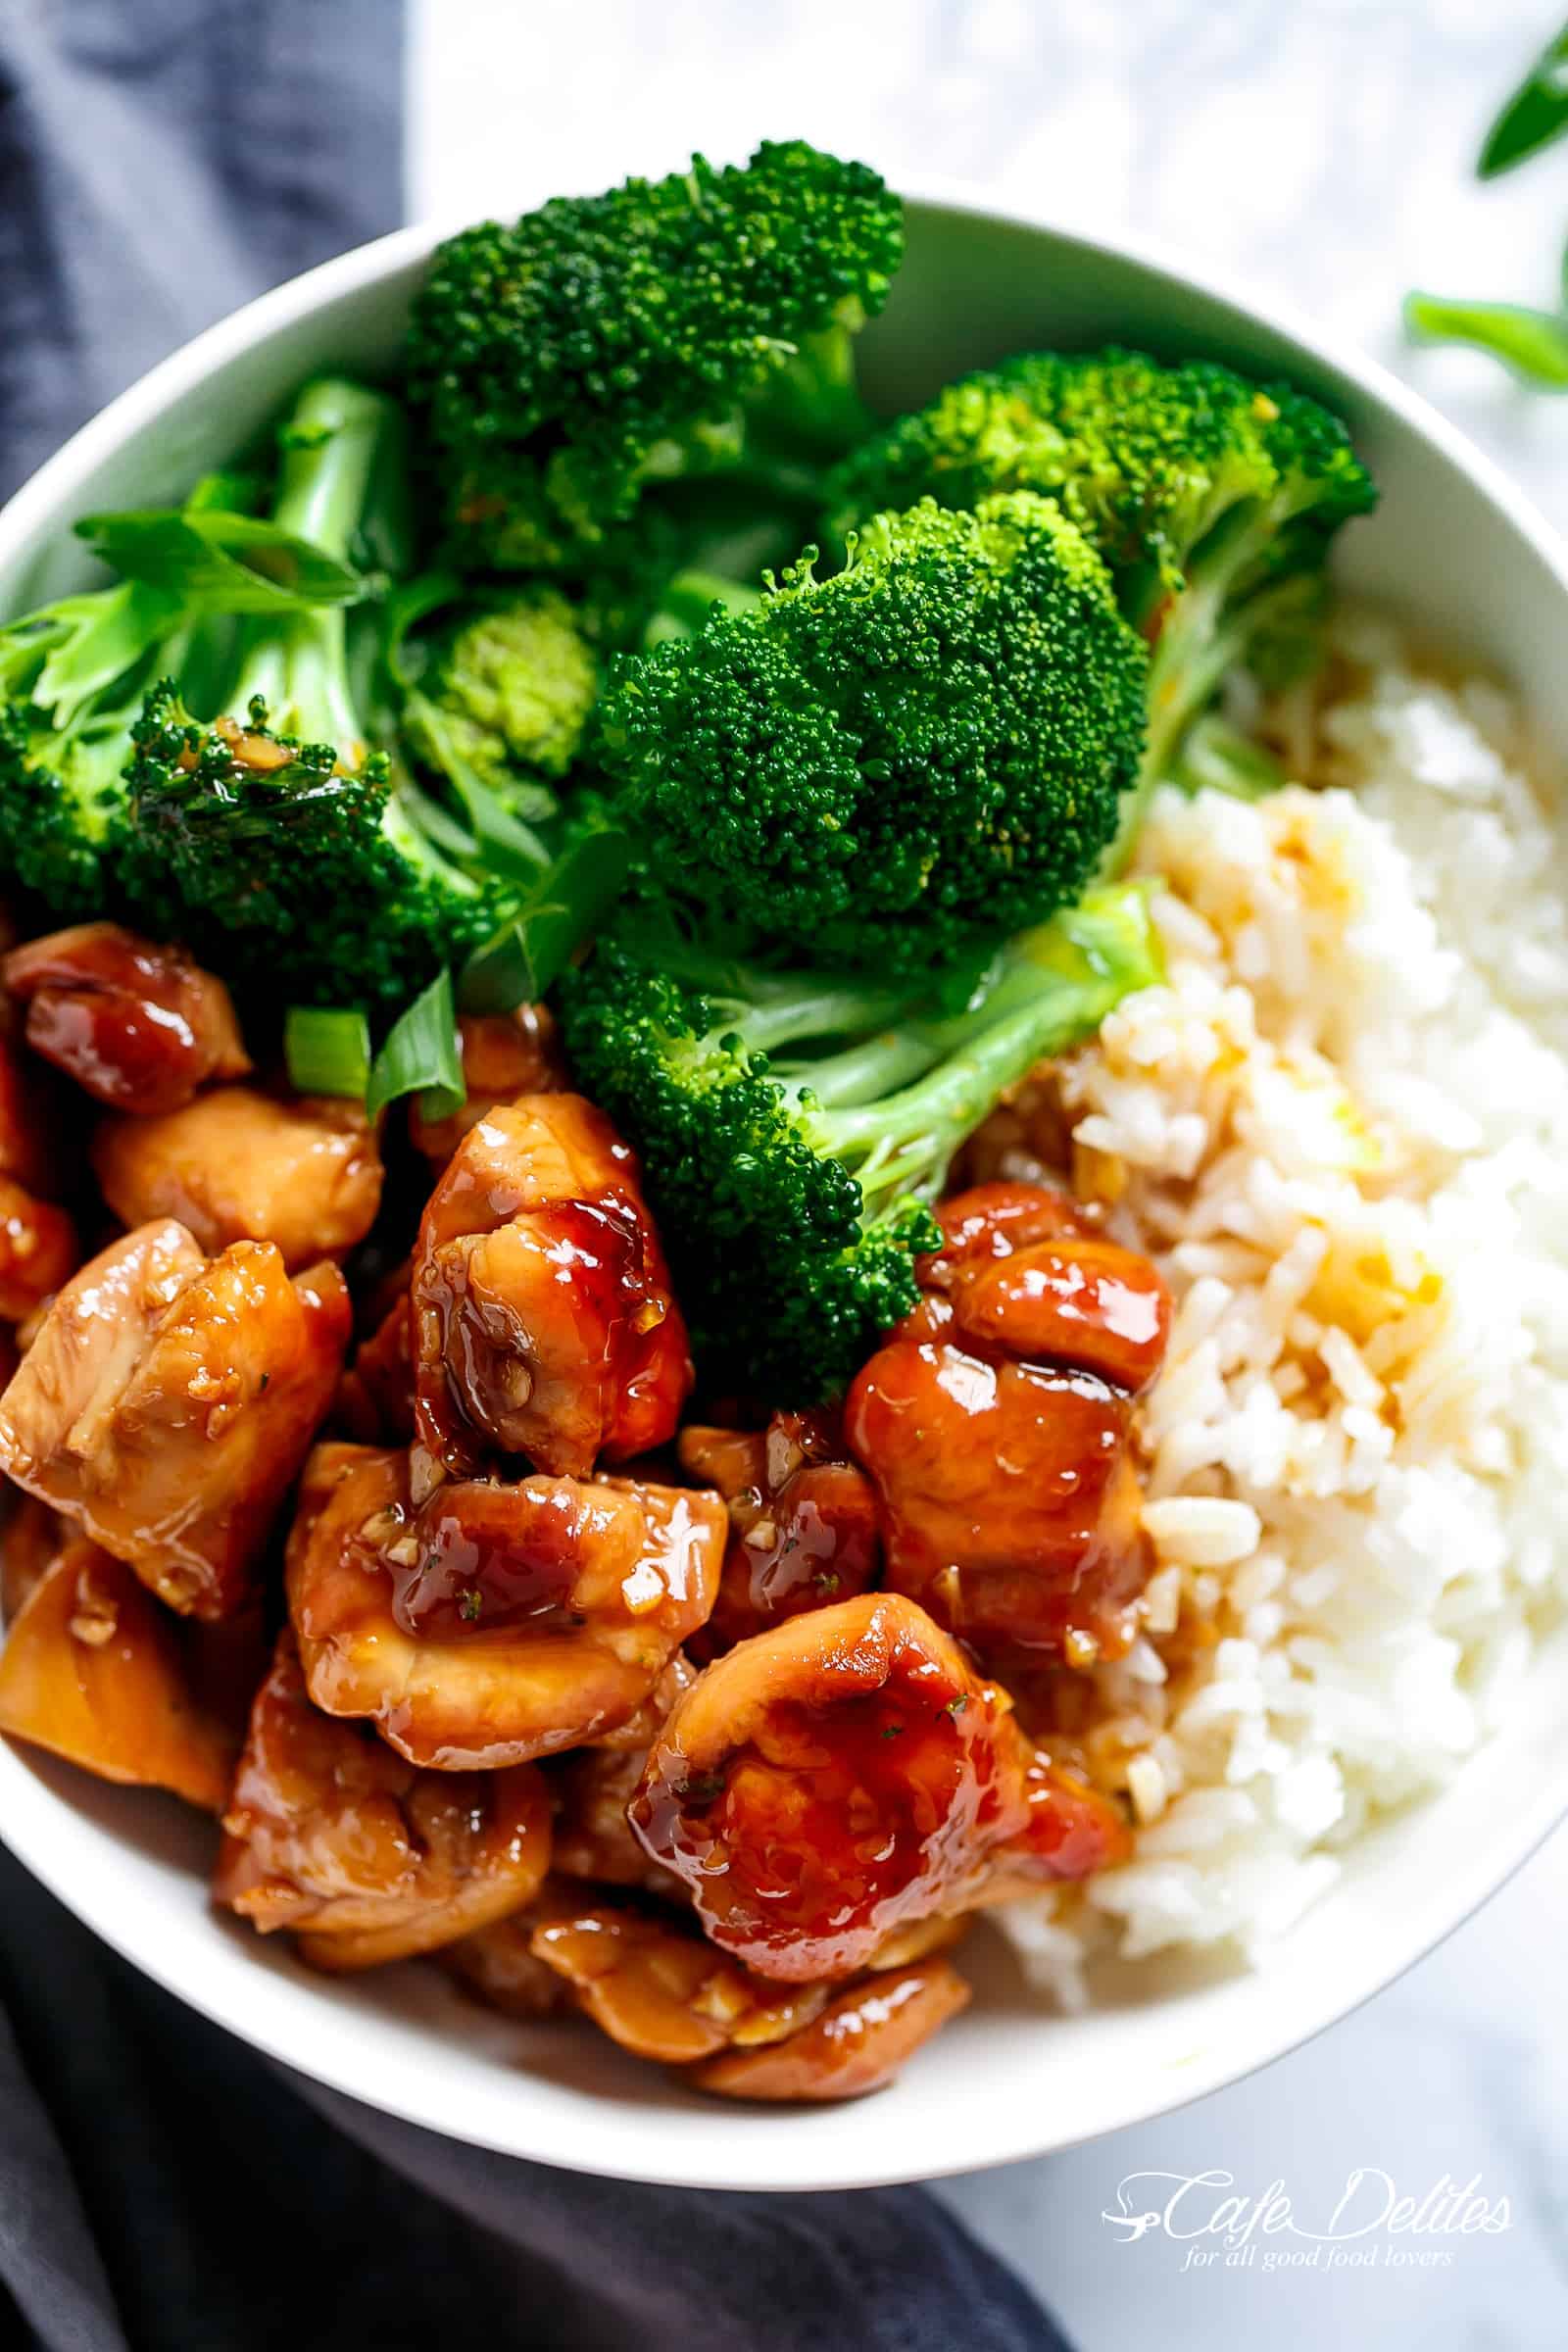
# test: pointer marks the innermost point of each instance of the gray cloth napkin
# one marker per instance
(161, 162)
(162, 2188)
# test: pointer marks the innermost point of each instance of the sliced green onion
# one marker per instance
(561, 911)
(328, 1052)
(1534, 344)
(421, 1056)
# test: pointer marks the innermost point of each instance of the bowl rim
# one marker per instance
(36, 505)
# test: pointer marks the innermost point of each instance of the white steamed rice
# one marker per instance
(1342, 1128)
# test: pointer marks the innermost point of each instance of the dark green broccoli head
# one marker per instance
(605, 343)
(784, 1291)
(313, 876)
(920, 752)
(63, 815)
(1145, 458)
(1212, 498)
(72, 678)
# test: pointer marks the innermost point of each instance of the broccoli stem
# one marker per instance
(1205, 633)
(1217, 757)
(1062, 980)
(330, 446)
(866, 1072)
(804, 1006)
(300, 666)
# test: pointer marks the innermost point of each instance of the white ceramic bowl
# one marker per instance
(1451, 543)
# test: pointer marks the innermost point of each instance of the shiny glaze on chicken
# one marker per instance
(38, 1250)
(659, 1987)
(544, 1321)
(803, 1522)
(137, 1026)
(166, 1403)
(997, 1425)
(860, 2041)
(492, 1623)
(829, 1781)
(96, 1672)
(302, 1171)
(365, 1858)
(720, 1766)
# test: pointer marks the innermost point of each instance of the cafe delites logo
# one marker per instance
(1369, 2222)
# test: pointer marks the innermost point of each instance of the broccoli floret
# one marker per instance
(62, 814)
(282, 832)
(508, 689)
(925, 750)
(667, 328)
(72, 678)
(307, 876)
(1212, 498)
(69, 677)
(493, 707)
(794, 1126)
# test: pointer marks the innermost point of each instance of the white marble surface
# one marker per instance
(1321, 151)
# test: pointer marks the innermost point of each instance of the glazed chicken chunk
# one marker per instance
(498, 1967)
(543, 1318)
(803, 1522)
(1070, 1832)
(302, 1172)
(860, 2040)
(490, 1623)
(997, 1425)
(168, 1401)
(32, 1540)
(829, 1782)
(594, 1839)
(38, 1250)
(138, 1026)
(1028, 1275)
(376, 1403)
(94, 1669)
(364, 1858)
(660, 1989)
